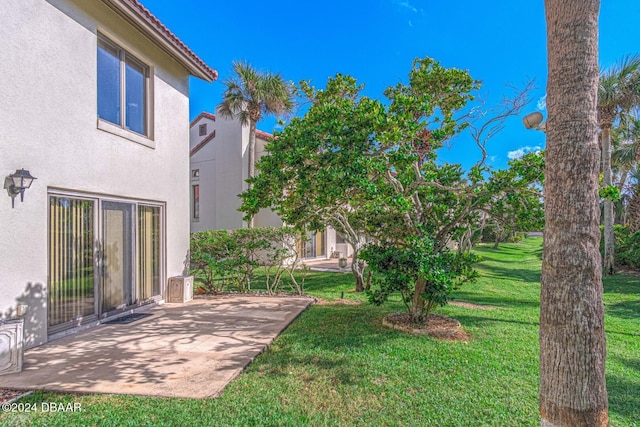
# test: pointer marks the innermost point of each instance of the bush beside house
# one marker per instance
(223, 258)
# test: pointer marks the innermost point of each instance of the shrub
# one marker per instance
(223, 257)
(628, 252)
(626, 244)
(495, 235)
(401, 268)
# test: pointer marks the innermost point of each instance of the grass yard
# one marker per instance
(337, 365)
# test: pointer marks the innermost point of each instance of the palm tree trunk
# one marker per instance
(572, 342)
(252, 159)
(633, 211)
(608, 204)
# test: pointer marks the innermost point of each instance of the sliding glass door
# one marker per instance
(314, 245)
(117, 255)
(105, 256)
(72, 278)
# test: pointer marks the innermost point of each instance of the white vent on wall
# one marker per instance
(180, 289)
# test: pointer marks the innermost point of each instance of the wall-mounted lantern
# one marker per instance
(16, 183)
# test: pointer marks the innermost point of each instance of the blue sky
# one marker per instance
(500, 42)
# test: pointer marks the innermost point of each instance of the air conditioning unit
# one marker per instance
(180, 289)
(11, 350)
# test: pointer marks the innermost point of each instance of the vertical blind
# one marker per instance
(71, 259)
(148, 252)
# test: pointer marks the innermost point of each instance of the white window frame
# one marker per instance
(121, 130)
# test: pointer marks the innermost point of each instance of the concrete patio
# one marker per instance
(329, 265)
(182, 350)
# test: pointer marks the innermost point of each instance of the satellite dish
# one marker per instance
(533, 120)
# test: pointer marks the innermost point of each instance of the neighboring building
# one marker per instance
(95, 104)
(219, 169)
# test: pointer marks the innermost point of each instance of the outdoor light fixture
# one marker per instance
(534, 121)
(16, 183)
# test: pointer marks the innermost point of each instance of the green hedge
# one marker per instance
(628, 252)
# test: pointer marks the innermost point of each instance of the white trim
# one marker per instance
(125, 133)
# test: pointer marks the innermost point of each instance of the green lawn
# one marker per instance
(337, 365)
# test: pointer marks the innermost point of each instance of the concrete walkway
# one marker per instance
(329, 266)
(182, 350)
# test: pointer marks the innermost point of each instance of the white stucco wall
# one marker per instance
(194, 132)
(49, 126)
(223, 169)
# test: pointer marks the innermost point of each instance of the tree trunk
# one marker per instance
(633, 211)
(608, 204)
(572, 342)
(623, 179)
(252, 159)
(418, 303)
(357, 267)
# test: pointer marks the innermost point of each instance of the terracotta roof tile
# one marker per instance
(201, 115)
(263, 135)
(158, 26)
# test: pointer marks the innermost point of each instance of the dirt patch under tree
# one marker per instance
(436, 326)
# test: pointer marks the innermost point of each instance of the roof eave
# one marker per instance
(128, 11)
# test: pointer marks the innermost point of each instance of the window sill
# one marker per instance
(126, 134)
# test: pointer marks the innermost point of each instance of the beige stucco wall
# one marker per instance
(49, 126)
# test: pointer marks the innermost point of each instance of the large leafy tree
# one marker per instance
(520, 206)
(572, 341)
(250, 95)
(370, 169)
(316, 169)
(618, 90)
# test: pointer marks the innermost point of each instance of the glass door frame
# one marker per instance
(98, 224)
(103, 258)
(96, 285)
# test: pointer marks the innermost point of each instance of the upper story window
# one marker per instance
(202, 129)
(123, 88)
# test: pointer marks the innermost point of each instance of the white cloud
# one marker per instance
(405, 4)
(410, 24)
(542, 103)
(516, 154)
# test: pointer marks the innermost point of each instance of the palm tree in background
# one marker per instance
(249, 96)
(618, 91)
(633, 208)
(624, 159)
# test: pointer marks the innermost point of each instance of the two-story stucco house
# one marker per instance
(219, 168)
(95, 105)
